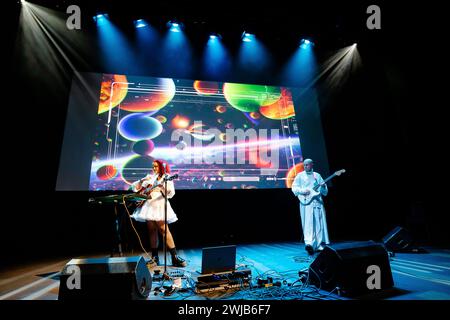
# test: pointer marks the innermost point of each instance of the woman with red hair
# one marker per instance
(152, 210)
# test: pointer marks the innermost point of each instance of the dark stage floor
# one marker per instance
(417, 276)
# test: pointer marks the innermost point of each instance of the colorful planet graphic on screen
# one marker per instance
(143, 147)
(113, 90)
(156, 94)
(249, 97)
(223, 137)
(180, 122)
(161, 119)
(206, 87)
(136, 168)
(255, 115)
(293, 171)
(137, 127)
(221, 109)
(107, 172)
(282, 109)
(252, 117)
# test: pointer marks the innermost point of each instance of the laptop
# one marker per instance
(218, 259)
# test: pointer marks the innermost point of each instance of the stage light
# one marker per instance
(301, 68)
(100, 17)
(140, 23)
(214, 36)
(176, 50)
(247, 37)
(305, 43)
(175, 26)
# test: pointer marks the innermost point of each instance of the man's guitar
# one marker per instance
(314, 192)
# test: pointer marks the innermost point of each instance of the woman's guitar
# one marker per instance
(146, 191)
(314, 191)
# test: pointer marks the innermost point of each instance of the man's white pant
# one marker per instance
(314, 224)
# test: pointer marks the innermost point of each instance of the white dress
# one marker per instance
(153, 209)
(313, 219)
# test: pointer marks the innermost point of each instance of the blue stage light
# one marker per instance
(216, 59)
(247, 37)
(140, 23)
(301, 68)
(174, 26)
(99, 17)
(305, 43)
(214, 36)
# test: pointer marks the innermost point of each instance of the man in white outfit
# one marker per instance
(312, 213)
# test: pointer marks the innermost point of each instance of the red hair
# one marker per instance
(162, 171)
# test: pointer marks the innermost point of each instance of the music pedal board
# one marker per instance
(223, 281)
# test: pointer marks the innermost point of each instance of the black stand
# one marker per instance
(165, 227)
(166, 178)
(117, 231)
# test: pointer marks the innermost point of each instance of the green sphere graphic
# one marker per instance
(249, 97)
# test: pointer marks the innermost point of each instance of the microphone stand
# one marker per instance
(165, 228)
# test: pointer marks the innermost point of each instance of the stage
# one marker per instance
(417, 276)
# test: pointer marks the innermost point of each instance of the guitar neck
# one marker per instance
(337, 173)
(329, 178)
(324, 181)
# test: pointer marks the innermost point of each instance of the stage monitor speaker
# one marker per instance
(121, 278)
(355, 268)
(398, 240)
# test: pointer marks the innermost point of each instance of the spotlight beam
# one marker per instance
(340, 65)
(38, 23)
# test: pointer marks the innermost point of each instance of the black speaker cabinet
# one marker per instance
(398, 240)
(350, 266)
(123, 278)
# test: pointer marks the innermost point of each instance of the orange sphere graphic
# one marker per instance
(282, 109)
(113, 90)
(221, 109)
(158, 96)
(180, 122)
(161, 119)
(255, 115)
(293, 171)
(107, 172)
(206, 87)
